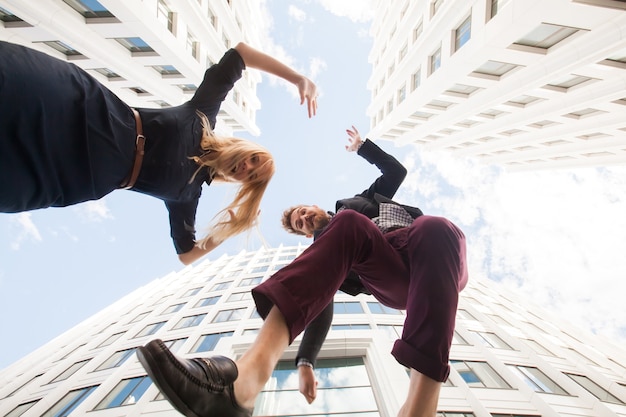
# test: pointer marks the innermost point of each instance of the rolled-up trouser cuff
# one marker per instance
(411, 358)
(272, 292)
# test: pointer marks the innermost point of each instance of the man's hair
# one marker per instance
(286, 220)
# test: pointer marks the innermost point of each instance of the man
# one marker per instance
(406, 260)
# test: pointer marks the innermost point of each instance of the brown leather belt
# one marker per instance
(129, 182)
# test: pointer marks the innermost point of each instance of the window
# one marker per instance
(116, 359)
(537, 380)
(140, 317)
(166, 16)
(416, 79)
(128, 391)
(7, 17)
(167, 71)
(212, 17)
(522, 101)
(434, 7)
(239, 296)
(192, 291)
(462, 90)
(435, 61)
(150, 329)
(457, 339)
(479, 374)
(190, 321)
(108, 341)
(546, 36)
(338, 379)
(229, 315)
(70, 371)
(455, 414)
(108, 73)
(595, 389)
(135, 45)
(495, 69)
(193, 46)
(21, 409)
(569, 81)
(260, 269)
(33, 379)
(250, 281)
(401, 94)
(393, 331)
(173, 308)
(492, 340)
(464, 314)
(463, 33)
(207, 301)
(69, 402)
(403, 52)
(64, 48)
(89, 8)
(496, 5)
(342, 327)
(221, 286)
(207, 342)
(378, 308)
(417, 31)
(390, 106)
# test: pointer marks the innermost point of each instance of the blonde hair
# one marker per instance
(221, 155)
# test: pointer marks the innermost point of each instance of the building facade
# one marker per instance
(524, 84)
(509, 358)
(151, 53)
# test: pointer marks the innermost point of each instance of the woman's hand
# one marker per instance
(308, 92)
(354, 139)
(308, 383)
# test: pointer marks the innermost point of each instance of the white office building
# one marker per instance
(151, 53)
(509, 358)
(525, 84)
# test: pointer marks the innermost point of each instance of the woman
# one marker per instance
(65, 139)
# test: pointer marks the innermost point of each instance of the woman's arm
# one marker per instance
(197, 252)
(254, 58)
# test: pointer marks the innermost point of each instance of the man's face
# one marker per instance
(307, 219)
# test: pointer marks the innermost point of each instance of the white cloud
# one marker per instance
(355, 10)
(94, 211)
(25, 230)
(316, 65)
(297, 13)
(555, 236)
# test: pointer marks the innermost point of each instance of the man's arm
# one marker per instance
(393, 172)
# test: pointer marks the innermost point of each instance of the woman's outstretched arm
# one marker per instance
(254, 58)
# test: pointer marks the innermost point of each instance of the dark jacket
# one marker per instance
(381, 191)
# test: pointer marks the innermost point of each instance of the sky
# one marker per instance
(555, 237)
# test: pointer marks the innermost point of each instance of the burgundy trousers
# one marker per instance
(420, 269)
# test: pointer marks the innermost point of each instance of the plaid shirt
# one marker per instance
(390, 217)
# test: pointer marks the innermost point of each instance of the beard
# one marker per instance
(320, 221)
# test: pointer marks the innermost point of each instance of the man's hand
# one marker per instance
(308, 383)
(308, 92)
(354, 139)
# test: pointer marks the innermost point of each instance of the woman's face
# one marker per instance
(245, 170)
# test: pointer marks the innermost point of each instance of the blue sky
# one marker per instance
(555, 236)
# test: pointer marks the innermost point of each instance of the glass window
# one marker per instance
(457, 339)
(62, 47)
(250, 281)
(33, 379)
(166, 16)
(140, 317)
(260, 269)
(207, 301)
(21, 409)
(342, 327)
(417, 31)
(240, 296)
(173, 308)
(207, 342)
(338, 379)
(546, 35)
(479, 374)
(464, 314)
(393, 331)
(496, 5)
(495, 68)
(416, 79)
(69, 402)
(127, 391)
(150, 329)
(434, 7)
(455, 414)
(492, 340)
(463, 33)
(347, 307)
(190, 321)
(135, 44)
(166, 70)
(378, 308)
(229, 315)
(435, 61)
(116, 359)
(70, 371)
(401, 94)
(595, 389)
(569, 81)
(192, 291)
(536, 379)
(111, 339)
(8, 17)
(221, 286)
(89, 8)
